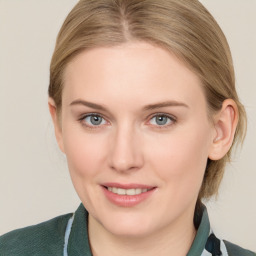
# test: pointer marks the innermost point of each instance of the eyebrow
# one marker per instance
(145, 108)
(88, 104)
(165, 104)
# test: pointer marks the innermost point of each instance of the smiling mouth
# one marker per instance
(129, 192)
(127, 195)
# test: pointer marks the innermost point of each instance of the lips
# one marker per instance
(129, 192)
(127, 195)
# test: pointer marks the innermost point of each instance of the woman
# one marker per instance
(143, 101)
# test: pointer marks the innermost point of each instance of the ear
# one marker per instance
(56, 123)
(225, 123)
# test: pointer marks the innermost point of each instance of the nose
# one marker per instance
(125, 153)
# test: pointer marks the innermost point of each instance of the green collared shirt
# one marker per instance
(67, 235)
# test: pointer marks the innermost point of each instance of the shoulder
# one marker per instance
(32, 240)
(235, 250)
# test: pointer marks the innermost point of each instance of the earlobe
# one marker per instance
(56, 123)
(225, 124)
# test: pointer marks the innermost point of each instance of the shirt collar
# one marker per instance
(78, 243)
(202, 234)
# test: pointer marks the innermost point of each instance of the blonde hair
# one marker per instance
(183, 27)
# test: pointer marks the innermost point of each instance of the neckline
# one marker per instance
(78, 243)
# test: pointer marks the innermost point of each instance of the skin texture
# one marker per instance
(129, 146)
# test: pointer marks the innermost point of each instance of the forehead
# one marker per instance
(135, 72)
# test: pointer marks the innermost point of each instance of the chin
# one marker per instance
(132, 231)
(128, 225)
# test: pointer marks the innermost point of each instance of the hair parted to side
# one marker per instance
(183, 27)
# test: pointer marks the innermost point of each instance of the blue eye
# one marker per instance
(162, 120)
(93, 120)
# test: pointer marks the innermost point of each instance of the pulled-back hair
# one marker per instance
(183, 27)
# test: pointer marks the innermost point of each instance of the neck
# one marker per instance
(175, 239)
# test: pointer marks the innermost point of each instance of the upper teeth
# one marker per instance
(130, 192)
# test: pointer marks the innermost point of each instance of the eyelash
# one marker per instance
(172, 119)
(81, 120)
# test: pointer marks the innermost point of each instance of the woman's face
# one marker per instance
(135, 130)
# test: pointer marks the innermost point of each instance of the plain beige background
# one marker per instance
(34, 180)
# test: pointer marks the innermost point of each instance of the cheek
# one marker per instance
(180, 157)
(85, 152)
